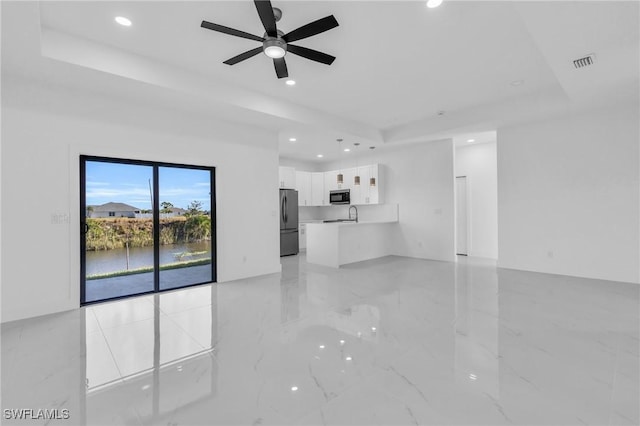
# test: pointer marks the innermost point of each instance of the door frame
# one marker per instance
(467, 213)
(156, 222)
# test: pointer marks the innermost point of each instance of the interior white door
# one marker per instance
(462, 231)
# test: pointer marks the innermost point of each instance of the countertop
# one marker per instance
(362, 222)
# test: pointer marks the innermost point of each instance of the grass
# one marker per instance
(183, 254)
(165, 267)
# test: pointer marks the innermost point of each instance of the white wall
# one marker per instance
(307, 166)
(479, 164)
(420, 179)
(568, 195)
(41, 144)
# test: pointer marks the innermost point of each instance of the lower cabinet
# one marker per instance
(302, 235)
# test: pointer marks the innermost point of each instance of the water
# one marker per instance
(104, 261)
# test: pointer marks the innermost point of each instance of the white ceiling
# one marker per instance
(398, 63)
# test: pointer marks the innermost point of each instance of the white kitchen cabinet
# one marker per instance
(330, 183)
(314, 187)
(348, 174)
(287, 177)
(360, 193)
(318, 195)
(375, 194)
(365, 193)
(303, 185)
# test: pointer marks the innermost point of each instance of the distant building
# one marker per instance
(112, 210)
(164, 214)
(176, 211)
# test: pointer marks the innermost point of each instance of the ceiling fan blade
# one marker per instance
(281, 67)
(265, 11)
(314, 55)
(311, 29)
(241, 57)
(230, 31)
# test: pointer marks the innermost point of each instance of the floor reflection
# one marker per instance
(392, 341)
(476, 329)
(162, 359)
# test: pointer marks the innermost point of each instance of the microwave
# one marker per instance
(340, 196)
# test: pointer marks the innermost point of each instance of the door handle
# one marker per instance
(85, 228)
(282, 212)
(286, 216)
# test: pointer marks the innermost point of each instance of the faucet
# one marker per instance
(353, 207)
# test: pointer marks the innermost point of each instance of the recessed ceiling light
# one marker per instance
(294, 388)
(517, 82)
(347, 150)
(125, 22)
(471, 140)
(319, 155)
(434, 3)
(348, 358)
(291, 82)
(292, 139)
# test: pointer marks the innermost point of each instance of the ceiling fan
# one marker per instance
(275, 44)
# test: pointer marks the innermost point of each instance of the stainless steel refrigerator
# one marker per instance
(288, 222)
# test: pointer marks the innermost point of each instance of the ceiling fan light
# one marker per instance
(274, 52)
(274, 48)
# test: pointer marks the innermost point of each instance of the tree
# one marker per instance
(195, 208)
(166, 207)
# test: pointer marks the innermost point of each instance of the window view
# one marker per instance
(185, 226)
(120, 256)
(118, 241)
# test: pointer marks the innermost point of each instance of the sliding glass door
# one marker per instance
(145, 227)
(185, 226)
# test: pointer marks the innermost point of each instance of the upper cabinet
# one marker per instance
(318, 195)
(360, 193)
(314, 187)
(330, 183)
(365, 193)
(287, 177)
(373, 194)
(303, 185)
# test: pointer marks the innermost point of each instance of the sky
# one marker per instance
(129, 184)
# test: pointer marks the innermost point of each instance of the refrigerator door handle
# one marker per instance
(286, 215)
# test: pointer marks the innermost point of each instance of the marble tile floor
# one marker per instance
(393, 341)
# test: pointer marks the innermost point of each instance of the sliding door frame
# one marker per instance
(156, 222)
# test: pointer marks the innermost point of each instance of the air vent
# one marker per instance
(585, 62)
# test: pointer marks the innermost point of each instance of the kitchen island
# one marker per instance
(339, 243)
